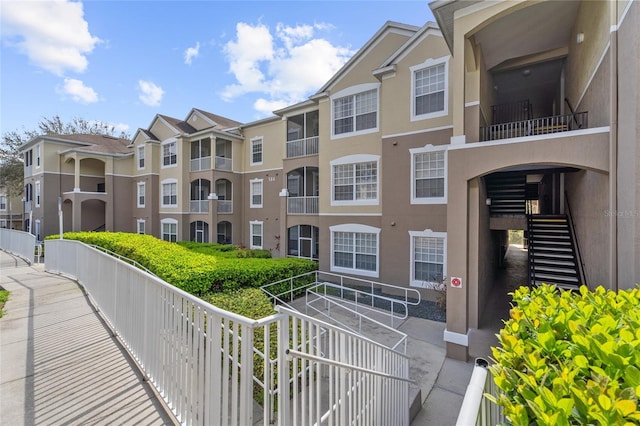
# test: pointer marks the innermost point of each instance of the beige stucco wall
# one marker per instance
(274, 137)
(628, 209)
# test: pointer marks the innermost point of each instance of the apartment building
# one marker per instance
(10, 210)
(410, 164)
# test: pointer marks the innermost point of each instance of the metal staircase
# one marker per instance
(507, 192)
(552, 253)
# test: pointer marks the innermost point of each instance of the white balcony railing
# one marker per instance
(535, 126)
(302, 205)
(302, 147)
(199, 206)
(224, 163)
(225, 206)
(195, 354)
(202, 163)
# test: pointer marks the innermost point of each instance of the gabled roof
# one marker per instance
(219, 122)
(389, 26)
(94, 143)
(180, 125)
(443, 11)
(422, 32)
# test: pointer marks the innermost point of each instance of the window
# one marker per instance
(256, 151)
(428, 258)
(256, 193)
(355, 112)
(303, 241)
(28, 192)
(37, 156)
(37, 193)
(256, 234)
(37, 230)
(141, 157)
(199, 231)
(170, 230)
(355, 180)
(140, 226)
(141, 194)
(3, 202)
(429, 175)
(169, 154)
(430, 83)
(28, 158)
(224, 232)
(169, 193)
(201, 154)
(354, 249)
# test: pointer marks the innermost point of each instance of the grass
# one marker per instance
(4, 296)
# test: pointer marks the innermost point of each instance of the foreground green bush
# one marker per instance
(570, 358)
(196, 273)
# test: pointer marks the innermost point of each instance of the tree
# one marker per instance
(11, 162)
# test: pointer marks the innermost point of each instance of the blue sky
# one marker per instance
(122, 62)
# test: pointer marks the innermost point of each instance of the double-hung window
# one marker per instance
(355, 249)
(255, 192)
(37, 156)
(3, 202)
(140, 225)
(37, 193)
(355, 180)
(169, 193)
(355, 110)
(170, 230)
(169, 154)
(429, 175)
(429, 88)
(141, 157)
(256, 234)
(428, 258)
(141, 194)
(256, 151)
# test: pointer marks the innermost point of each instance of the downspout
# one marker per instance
(613, 149)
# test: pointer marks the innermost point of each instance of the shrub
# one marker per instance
(4, 296)
(570, 358)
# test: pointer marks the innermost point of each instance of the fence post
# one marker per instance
(284, 375)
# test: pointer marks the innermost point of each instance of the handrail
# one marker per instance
(476, 408)
(573, 113)
(574, 236)
(295, 354)
(123, 258)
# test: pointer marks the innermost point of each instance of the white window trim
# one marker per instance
(38, 157)
(430, 234)
(255, 140)
(350, 91)
(144, 194)
(162, 184)
(142, 148)
(168, 142)
(169, 221)
(356, 228)
(6, 203)
(143, 223)
(37, 193)
(251, 182)
(354, 159)
(251, 234)
(429, 200)
(430, 62)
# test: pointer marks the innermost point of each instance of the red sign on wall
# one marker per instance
(456, 282)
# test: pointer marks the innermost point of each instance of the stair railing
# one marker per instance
(530, 249)
(573, 114)
(574, 237)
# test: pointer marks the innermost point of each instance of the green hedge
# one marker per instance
(194, 272)
(570, 358)
(225, 250)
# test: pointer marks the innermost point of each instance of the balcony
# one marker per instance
(302, 147)
(302, 205)
(199, 206)
(535, 126)
(224, 163)
(225, 207)
(203, 163)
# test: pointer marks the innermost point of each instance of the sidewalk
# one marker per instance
(59, 363)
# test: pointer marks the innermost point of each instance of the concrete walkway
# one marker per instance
(59, 363)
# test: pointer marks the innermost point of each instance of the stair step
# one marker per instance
(555, 271)
(545, 261)
(549, 278)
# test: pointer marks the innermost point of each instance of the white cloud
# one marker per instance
(150, 93)
(191, 52)
(78, 91)
(286, 66)
(53, 34)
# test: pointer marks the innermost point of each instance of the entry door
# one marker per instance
(305, 247)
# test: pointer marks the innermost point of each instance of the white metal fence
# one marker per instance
(476, 409)
(22, 244)
(214, 367)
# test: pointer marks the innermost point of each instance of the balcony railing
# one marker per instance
(224, 163)
(535, 126)
(225, 206)
(302, 205)
(199, 206)
(302, 147)
(202, 163)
